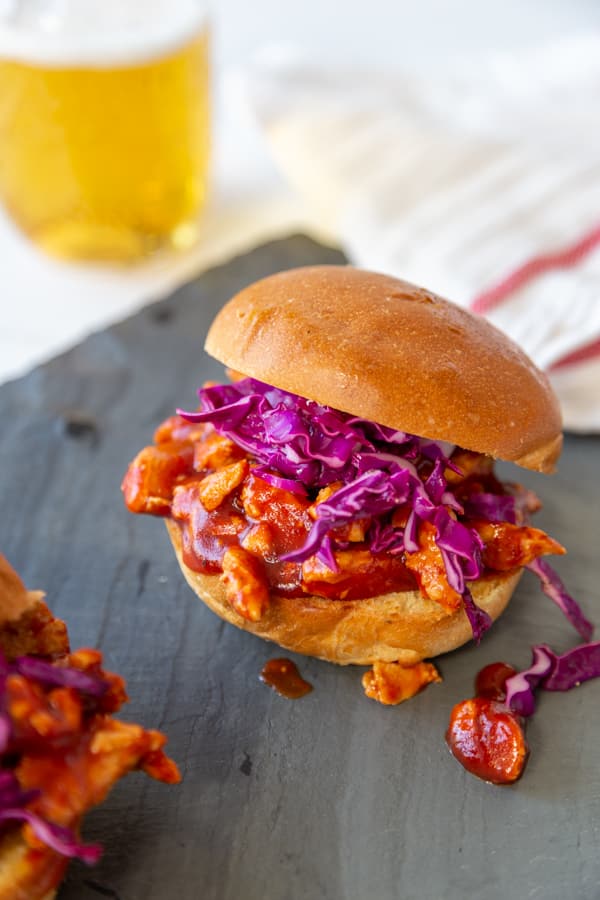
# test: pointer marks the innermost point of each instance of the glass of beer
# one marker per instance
(104, 123)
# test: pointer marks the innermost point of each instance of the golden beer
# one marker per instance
(107, 161)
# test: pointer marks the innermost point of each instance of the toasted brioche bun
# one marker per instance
(396, 354)
(400, 627)
(27, 874)
(15, 599)
(26, 624)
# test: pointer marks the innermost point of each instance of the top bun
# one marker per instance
(380, 348)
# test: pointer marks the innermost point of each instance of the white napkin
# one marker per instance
(456, 182)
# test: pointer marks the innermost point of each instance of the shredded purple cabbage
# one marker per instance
(520, 687)
(574, 667)
(491, 507)
(479, 619)
(302, 446)
(5, 731)
(61, 840)
(301, 440)
(52, 675)
(553, 587)
(13, 800)
(552, 672)
(11, 793)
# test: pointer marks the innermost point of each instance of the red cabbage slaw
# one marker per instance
(552, 672)
(13, 800)
(553, 587)
(301, 445)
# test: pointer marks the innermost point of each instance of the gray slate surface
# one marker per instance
(331, 796)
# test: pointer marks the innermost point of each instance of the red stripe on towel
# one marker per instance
(582, 354)
(560, 259)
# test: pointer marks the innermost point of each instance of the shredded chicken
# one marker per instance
(245, 583)
(213, 489)
(391, 683)
(512, 546)
(150, 479)
(214, 452)
(428, 567)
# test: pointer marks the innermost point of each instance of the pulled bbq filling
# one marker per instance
(283, 496)
(61, 750)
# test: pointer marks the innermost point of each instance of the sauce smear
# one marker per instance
(283, 676)
(484, 734)
(491, 681)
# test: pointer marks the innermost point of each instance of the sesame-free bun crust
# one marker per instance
(400, 627)
(27, 874)
(396, 354)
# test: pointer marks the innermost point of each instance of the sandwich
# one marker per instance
(61, 749)
(337, 495)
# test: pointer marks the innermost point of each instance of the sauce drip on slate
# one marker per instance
(283, 676)
(485, 735)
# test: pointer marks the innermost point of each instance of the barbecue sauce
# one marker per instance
(484, 734)
(283, 676)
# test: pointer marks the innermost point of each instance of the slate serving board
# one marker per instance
(331, 796)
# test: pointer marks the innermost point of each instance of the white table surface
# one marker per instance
(48, 305)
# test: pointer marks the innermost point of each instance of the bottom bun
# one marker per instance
(27, 874)
(400, 627)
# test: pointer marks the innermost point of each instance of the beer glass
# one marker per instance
(104, 123)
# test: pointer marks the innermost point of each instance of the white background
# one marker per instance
(47, 305)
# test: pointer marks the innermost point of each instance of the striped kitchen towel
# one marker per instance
(482, 184)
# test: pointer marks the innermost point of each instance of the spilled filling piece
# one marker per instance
(284, 496)
(391, 683)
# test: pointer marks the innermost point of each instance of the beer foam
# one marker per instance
(96, 33)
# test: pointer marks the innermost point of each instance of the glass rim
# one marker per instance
(109, 46)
